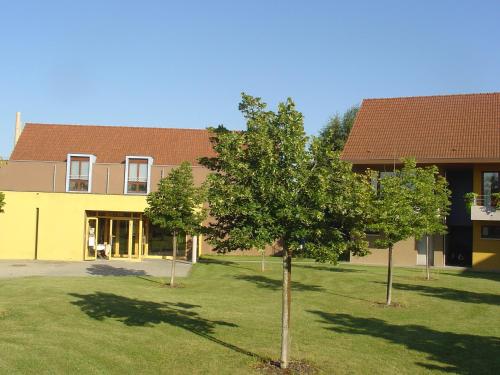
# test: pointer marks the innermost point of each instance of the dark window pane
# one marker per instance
(490, 231)
(491, 184)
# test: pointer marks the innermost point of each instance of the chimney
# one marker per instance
(19, 129)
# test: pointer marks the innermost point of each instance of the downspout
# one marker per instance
(107, 181)
(36, 232)
(444, 235)
(54, 178)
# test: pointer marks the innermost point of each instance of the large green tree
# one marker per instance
(177, 206)
(335, 133)
(409, 202)
(267, 187)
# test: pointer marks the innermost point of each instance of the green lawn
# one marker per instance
(227, 316)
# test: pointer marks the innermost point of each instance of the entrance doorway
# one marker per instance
(458, 248)
(128, 235)
(111, 235)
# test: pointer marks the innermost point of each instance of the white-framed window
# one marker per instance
(79, 173)
(138, 174)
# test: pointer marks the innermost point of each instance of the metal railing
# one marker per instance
(486, 200)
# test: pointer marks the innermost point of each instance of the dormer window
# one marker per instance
(137, 174)
(79, 173)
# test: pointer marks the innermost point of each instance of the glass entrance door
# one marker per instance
(110, 235)
(120, 239)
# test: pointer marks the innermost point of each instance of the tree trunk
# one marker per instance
(263, 261)
(389, 279)
(286, 304)
(174, 257)
(427, 260)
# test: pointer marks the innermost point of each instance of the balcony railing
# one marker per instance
(485, 200)
(485, 207)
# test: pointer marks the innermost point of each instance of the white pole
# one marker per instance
(195, 249)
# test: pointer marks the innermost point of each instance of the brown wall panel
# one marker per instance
(404, 254)
(28, 176)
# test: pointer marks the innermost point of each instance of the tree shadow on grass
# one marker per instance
(273, 284)
(450, 294)
(327, 268)
(106, 270)
(221, 262)
(135, 312)
(450, 352)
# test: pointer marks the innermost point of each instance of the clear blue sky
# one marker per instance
(184, 63)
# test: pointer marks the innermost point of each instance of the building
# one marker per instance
(461, 135)
(79, 192)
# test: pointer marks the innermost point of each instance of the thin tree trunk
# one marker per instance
(427, 260)
(263, 262)
(286, 304)
(174, 257)
(389, 279)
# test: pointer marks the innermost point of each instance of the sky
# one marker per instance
(184, 64)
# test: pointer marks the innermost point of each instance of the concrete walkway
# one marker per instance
(148, 267)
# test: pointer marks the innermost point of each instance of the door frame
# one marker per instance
(86, 255)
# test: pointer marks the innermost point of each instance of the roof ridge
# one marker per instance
(113, 126)
(434, 96)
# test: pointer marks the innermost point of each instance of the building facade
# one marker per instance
(461, 135)
(79, 192)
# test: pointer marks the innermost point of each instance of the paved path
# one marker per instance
(148, 267)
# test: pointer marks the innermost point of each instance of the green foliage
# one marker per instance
(431, 201)
(334, 135)
(2, 201)
(470, 199)
(177, 206)
(269, 186)
(411, 202)
(496, 198)
(340, 200)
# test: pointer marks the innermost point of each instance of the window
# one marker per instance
(375, 179)
(490, 185)
(79, 173)
(490, 232)
(137, 174)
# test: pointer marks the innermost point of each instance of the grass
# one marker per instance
(226, 318)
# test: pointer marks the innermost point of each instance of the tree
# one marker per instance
(432, 202)
(409, 202)
(335, 133)
(177, 206)
(266, 188)
(2, 201)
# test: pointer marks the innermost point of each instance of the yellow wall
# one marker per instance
(485, 252)
(61, 222)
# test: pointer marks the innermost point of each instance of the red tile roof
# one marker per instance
(448, 128)
(111, 144)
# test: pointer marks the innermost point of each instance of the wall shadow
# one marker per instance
(455, 353)
(273, 284)
(449, 293)
(106, 270)
(135, 312)
(493, 276)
